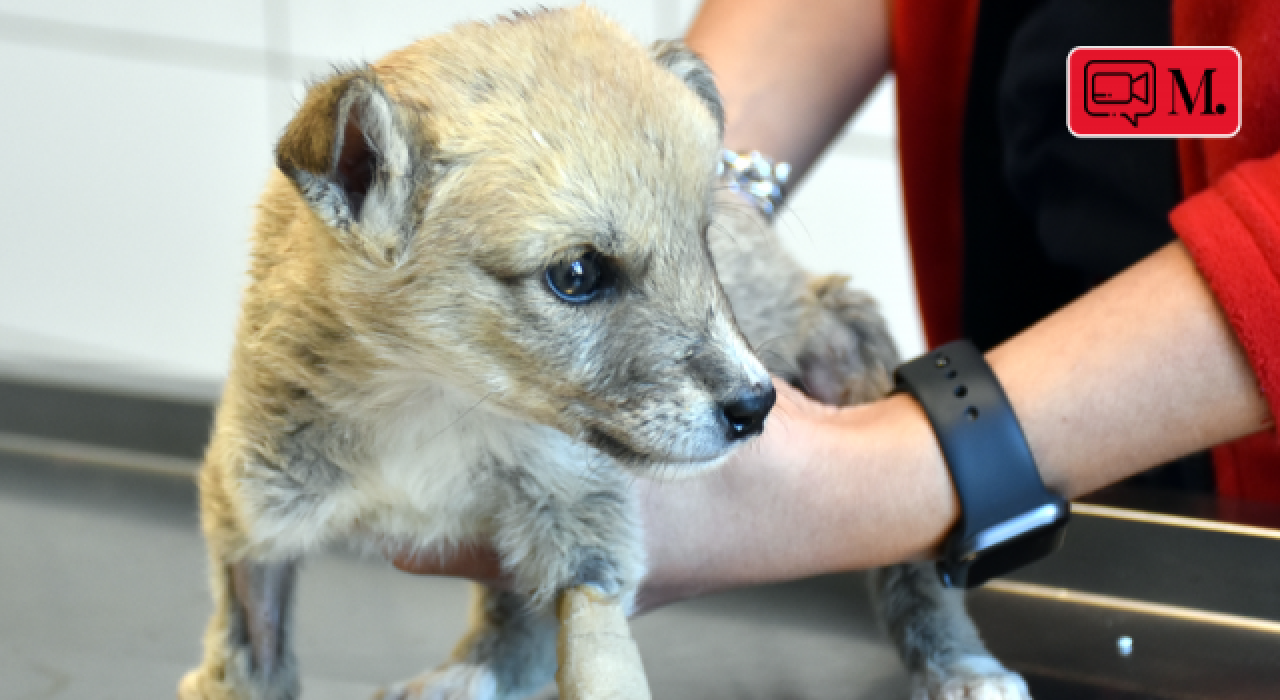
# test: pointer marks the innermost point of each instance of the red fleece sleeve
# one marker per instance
(1232, 230)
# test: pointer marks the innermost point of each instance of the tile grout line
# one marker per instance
(98, 456)
(150, 48)
(273, 63)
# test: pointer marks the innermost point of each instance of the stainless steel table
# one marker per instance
(103, 596)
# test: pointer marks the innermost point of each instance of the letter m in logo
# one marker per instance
(1189, 101)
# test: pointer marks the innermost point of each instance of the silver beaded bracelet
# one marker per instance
(755, 177)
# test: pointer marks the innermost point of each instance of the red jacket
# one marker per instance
(1229, 221)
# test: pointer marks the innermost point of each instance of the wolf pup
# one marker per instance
(482, 300)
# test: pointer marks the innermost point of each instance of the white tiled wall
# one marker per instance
(236, 23)
(135, 135)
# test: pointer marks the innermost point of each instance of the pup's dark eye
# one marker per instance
(579, 280)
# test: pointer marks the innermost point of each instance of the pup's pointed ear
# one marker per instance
(673, 55)
(353, 160)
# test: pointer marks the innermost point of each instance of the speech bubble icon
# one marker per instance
(1120, 89)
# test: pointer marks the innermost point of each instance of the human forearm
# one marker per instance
(791, 74)
(1142, 370)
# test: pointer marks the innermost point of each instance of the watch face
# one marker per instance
(1014, 554)
(972, 569)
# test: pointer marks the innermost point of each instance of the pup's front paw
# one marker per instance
(201, 685)
(971, 678)
(455, 681)
(232, 680)
(848, 356)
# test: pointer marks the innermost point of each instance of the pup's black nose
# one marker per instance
(745, 414)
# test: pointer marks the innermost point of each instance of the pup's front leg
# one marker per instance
(598, 658)
(509, 652)
(937, 640)
(248, 650)
(549, 544)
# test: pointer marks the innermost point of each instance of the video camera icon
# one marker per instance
(1120, 88)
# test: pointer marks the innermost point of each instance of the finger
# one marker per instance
(795, 403)
(786, 391)
(476, 563)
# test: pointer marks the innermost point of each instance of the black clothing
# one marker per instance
(1048, 216)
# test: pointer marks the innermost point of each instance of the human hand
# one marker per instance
(478, 562)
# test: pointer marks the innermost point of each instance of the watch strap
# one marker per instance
(991, 464)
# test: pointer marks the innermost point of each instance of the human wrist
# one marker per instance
(1021, 388)
(1008, 518)
(885, 493)
(756, 178)
(790, 80)
(750, 521)
(929, 504)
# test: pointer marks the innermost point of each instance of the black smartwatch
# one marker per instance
(1008, 518)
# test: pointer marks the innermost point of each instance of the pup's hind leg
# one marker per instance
(937, 640)
(510, 652)
(248, 652)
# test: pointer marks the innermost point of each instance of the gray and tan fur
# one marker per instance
(404, 375)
